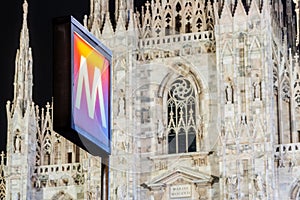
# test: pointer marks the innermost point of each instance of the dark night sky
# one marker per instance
(40, 15)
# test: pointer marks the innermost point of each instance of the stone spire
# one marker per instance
(21, 123)
(107, 28)
(297, 8)
(23, 67)
(123, 7)
(96, 19)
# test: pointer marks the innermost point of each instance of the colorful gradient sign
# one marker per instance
(90, 92)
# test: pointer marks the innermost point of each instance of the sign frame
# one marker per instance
(64, 29)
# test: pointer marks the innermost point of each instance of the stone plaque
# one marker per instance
(179, 191)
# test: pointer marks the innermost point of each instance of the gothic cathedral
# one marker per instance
(206, 105)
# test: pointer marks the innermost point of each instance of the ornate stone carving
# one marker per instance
(35, 182)
(79, 178)
(161, 165)
(42, 180)
(202, 161)
(202, 192)
(121, 192)
(232, 184)
(260, 186)
(47, 147)
(285, 85)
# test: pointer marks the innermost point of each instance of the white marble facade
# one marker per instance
(206, 105)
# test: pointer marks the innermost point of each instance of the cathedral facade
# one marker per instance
(206, 105)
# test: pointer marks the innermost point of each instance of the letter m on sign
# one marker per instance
(91, 94)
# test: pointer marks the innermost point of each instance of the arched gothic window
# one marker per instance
(181, 130)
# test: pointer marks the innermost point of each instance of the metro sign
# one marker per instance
(81, 87)
(83, 77)
(82, 91)
(90, 91)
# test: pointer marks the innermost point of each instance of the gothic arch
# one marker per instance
(285, 87)
(188, 18)
(185, 86)
(61, 195)
(183, 69)
(295, 190)
(168, 23)
(285, 109)
(157, 27)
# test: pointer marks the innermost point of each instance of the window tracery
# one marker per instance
(210, 17)
(188, 17)
(286, 91)
(168, 23)
(297, 92)
(181, 130)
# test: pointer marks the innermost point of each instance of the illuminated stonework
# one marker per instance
(205, 106)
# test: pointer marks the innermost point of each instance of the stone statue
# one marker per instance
(259, 185)
(17, 142)
(25, 7)
(256, 89)
(121, 106)
(228, 93)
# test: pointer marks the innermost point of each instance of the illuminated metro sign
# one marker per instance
(90, 91)
(81, 80)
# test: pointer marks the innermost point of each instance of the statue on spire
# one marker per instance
(25, 8)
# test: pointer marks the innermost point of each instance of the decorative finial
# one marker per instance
(25, 7)
(122, 6)
(147, 4)
(2, 155)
